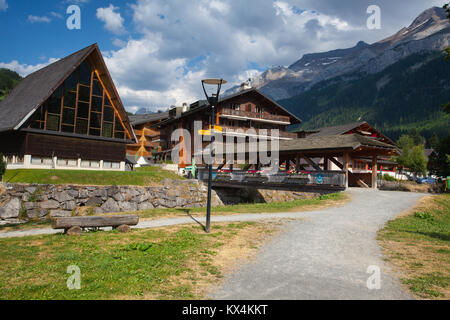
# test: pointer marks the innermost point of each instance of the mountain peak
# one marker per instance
(434, 13)
(362, 44)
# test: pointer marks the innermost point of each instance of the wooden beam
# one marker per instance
(337, 163)
(95, 222)
(311, 163)
(374, 172)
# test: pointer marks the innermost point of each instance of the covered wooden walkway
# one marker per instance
(314, 162)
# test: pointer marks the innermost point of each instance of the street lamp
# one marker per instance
(213, 99)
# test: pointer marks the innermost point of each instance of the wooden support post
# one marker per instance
(374, 172)
(346, 168)
(326, 165)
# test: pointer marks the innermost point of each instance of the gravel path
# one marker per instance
(324, 256)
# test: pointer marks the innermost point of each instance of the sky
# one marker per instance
(158, 51)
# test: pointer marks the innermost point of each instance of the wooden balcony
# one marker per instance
(263, 117)
(261, 132)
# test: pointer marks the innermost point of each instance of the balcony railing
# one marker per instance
(260, 132)
(255, 116)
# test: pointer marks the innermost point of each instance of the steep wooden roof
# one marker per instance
(345, 129)
(336, 143)
(37, 87)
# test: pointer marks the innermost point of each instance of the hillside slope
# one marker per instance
(408, 94)
(8, 80)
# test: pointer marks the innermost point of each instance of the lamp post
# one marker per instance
(213, 99)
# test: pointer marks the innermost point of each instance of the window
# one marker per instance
(70, 99)
(85, 73)
(71, 82)
(80, 105)
(96, 120)
(107, 130)
(53, 122)
(67, 163)
(68, 116)
(97, 89)
(108, 114)
(82, 126)
(84, 93)
(97, 103)
(90, 164)
(83, 110)
(54, 104)
(111, 165)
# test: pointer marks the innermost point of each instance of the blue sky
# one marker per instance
(159, 50)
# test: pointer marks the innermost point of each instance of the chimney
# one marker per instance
(246, 85)
(185, 107)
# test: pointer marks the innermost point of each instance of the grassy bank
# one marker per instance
(140, 177)
(418, 245)
(169, 263)
(291, 206)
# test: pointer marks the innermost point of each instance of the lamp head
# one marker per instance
(214, 82)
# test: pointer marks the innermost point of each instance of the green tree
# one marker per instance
(440, 161)
(433, 142)
(412, 154)
(405, 143)
(417, 162)
(2, 167)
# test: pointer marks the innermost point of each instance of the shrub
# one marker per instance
(424, 215)
(388, 177)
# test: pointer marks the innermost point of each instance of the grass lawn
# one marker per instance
(325, 201)
(140, 177)
(168, 263)
(418, 245)
(291, 206)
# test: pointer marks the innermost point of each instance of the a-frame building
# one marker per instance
(67, 115)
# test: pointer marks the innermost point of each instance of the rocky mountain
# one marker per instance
(430, 31)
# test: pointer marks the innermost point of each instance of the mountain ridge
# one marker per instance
(430, 31)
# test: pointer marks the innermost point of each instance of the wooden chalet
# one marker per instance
(148, 134)
(67, 115)
(248, 113)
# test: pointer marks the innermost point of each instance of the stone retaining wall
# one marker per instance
(20, 202)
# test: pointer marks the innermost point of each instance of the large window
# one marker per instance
(80, 105)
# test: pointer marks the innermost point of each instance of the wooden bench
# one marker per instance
(79, 223)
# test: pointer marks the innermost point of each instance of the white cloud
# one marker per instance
(57, 15)
(3, 5)
(38, 19)
(112, 19)
(181, 42)
(25, 69)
